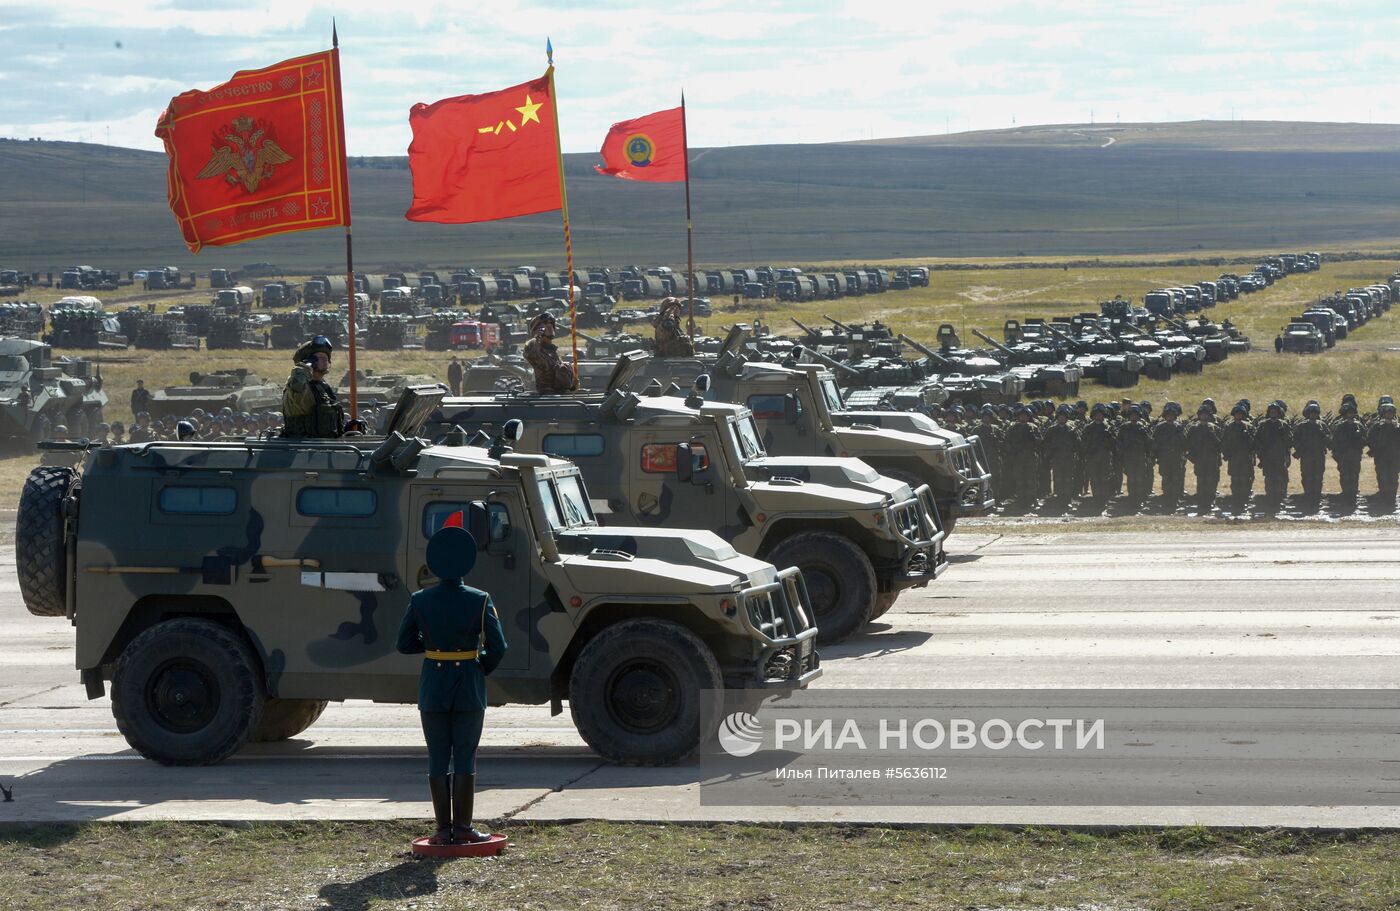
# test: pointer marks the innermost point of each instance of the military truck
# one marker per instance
(237, 389)
(662, 460)
(227, 590)
(281, 294)
(38, 393)
(1302, 338)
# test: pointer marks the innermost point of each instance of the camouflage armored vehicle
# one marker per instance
(226, 590)
(391, 332)
(800, 412)
(21, 318)
(38, 393)
(163, 332)
(662, 460)
(375, 389)
(289, 330)
(1043, 367)
(228, 332)
(330, 323)
(236, 389)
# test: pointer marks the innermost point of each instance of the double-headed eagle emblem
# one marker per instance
(248, 157)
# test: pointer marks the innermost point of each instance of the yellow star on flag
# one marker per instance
(529, 111)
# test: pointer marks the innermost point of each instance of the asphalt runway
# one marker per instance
(1247, 608)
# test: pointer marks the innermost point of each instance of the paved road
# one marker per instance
(1248, 608)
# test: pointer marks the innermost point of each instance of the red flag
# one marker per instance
(262, 154)
(484, 157)
(646, 148)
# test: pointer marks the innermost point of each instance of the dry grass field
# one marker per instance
(977, 294)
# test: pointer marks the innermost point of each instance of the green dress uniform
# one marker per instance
(456, 630)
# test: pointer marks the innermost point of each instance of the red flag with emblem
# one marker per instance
(262, 154)
(650, 148)
(485, 157)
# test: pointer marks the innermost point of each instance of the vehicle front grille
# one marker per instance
(780, 609)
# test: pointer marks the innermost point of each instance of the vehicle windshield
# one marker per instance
(746, 438)
(832, 395)
(573, 501)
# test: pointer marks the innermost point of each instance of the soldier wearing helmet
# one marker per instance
(308, 401)
(1169, 449)
(551, 376)
(1020, 454)
(1237, 445)
(1203, 448)
(1099, 444)
(670, 341)
(1273, 442)
(1310, 442)
(1135, 455)
(1384, 442)
(1060, 448)
(1348, 439)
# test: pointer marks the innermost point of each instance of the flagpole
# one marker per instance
(349, 246)
(564, 207)
(689, 253)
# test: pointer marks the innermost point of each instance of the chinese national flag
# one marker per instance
(647, 148)
(484, 157)
(262, 154)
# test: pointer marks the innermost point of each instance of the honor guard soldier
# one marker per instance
(551, 376)
(1347, 442)
(310, 407)
(456, 630)
(1310, 442)
(670, 341)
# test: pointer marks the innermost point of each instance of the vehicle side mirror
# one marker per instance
(513, 430)
(790, 412)
(479, 524)
(684, 468)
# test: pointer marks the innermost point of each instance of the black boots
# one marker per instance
(463, 791)
(442, 809)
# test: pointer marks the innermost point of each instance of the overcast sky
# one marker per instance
(753, 72)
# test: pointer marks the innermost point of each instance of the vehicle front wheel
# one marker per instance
(187, 692)
(840, 580)
(283, 719)
(645, 692)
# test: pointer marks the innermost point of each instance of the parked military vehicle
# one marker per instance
(975, 379)
(191, 628)
(437, 329)
(377, 389)
(163, 332)
(237, 389)
(394, 332)
(228, 332)
(82, 327)
(663, 460)
(281, 294)
(330, 323)
(1117, 369)
(800, 411)
(1043, 368)
(38, 393)
(1303, 338)
(24, 319)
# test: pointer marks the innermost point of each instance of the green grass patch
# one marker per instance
(156, 866)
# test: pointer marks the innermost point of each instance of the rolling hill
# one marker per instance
(1060, 189)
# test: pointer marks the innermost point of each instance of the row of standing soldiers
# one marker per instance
(1059, 454)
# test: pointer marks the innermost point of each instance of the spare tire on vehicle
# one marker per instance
(40, 557)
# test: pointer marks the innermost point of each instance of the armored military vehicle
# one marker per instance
(391, 332)
(227, 590)
(81, 327)
(375, 389)
(24, 319)
(800, 411)
(663, 460)
(38, 393)
(162, 332)
(229, 332)
(1044, 368)
(237, 389)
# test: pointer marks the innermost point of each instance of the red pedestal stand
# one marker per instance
(488, 848)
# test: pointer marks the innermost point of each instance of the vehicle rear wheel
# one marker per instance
(839, 579)
(187, 692)
(644, 692)
(283, 719)
(40, 557)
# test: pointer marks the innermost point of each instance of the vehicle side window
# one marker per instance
(769, 406)
(659, 458)
(198, 501)
(571, 445)
(436, 514)
(498, 519)
(340, 502)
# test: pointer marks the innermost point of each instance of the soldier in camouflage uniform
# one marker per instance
(1348, 438)
(551, 376)
(1169, 450)
(1310, 442)
(1237, 445)
(1020, 457)
(671, 341)
(1203, 439)
(1100, 448)
(1060, 450)
(1135, 455)
(1384, 441)
(990, 435)
(310, 405)
(1273, 441)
